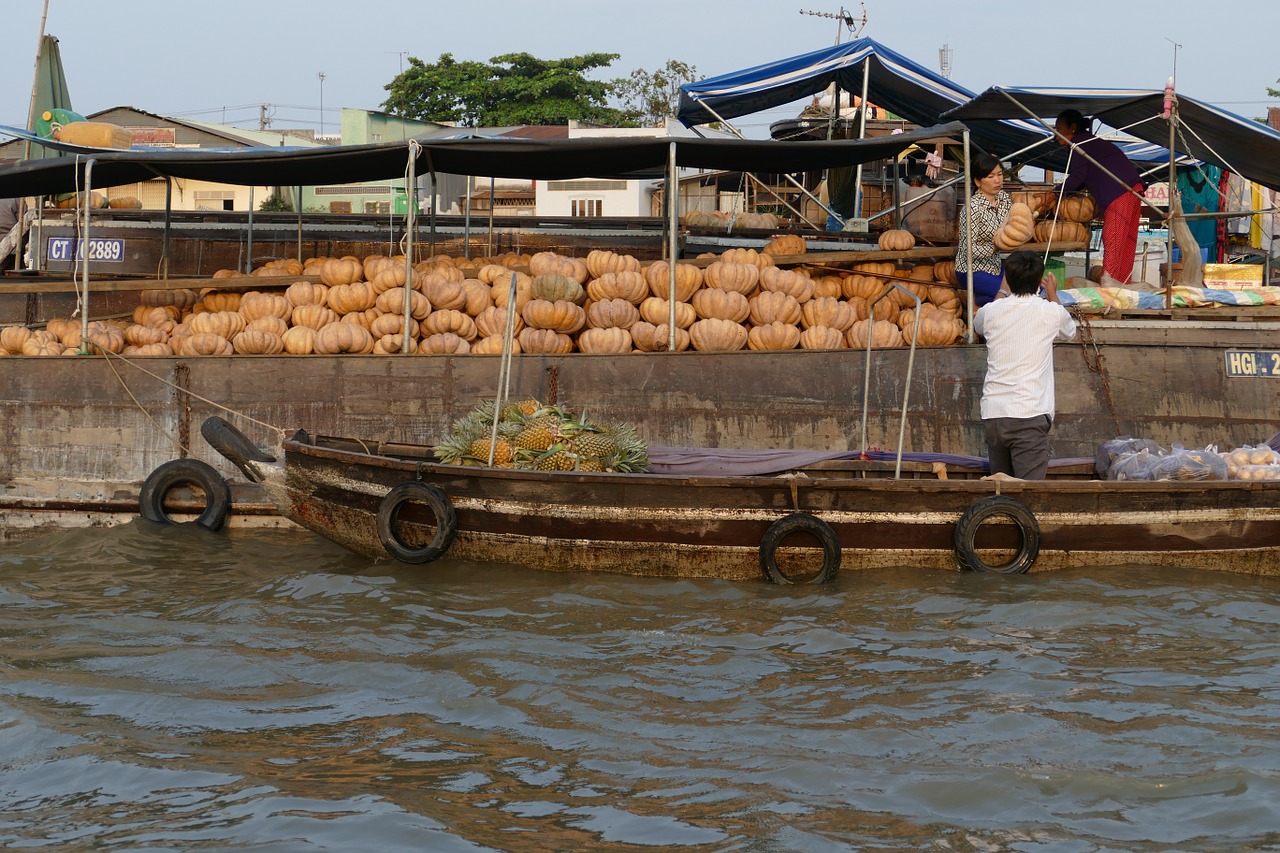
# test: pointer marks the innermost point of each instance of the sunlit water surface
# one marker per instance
(172, 689)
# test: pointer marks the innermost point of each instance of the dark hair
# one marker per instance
(1073, 118)
(983, 166)
(1023, 271)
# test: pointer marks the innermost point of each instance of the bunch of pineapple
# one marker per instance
(534, 436)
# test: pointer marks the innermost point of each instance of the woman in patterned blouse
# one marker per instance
(987, 210)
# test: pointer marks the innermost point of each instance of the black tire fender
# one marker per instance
(445, 518)
(186, 472)
(799, 522)
(966, 532)
(234, 446)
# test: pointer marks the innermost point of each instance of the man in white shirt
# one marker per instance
(1017, 396)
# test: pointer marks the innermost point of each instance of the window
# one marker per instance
(586, 207)
(587, 185)
(339, 207)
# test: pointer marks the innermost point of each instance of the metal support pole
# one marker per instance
(466, 222)
(968, 218)
(862, 134)
(248, 261)
(431, 244)
(410, 184)
(84, 253)
(297, 200)
(492, 204)
(168, 225)
(673, 238)
(1169, 214)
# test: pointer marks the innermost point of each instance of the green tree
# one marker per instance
(515, 88)
(1275, 93)
(276, 203)
(648, 97)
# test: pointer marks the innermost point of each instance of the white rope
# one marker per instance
(1071, 150)
(75, 259)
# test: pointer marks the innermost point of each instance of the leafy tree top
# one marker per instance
(515, 88)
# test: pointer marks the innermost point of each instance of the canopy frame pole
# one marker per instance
(431, 242)
(673, 240)
(1174, 196)
(968, 247)
(168, 227)
(792, 180)
(862, 134)
(297, 200)
(84, 250)
(466, 222)
(248, 260)
(492, 203)
(410, 184)
(756, 181)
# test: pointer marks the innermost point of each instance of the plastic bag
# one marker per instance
(1180, 464)
(1256, 472)
(1134, 465)
(1110, 451)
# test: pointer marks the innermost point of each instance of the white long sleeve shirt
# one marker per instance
(1020, 332)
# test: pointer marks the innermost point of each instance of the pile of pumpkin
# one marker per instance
(1069, 225)
(714, 220)
(603, 303)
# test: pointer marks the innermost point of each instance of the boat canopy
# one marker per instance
(1203, 131)
(894, 82)
(550, 159)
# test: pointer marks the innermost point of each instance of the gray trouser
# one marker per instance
(1019, 446)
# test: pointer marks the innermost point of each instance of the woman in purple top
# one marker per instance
(1121, 209)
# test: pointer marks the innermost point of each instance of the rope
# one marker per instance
(1097, 365)
(176, 441)
(110, 355)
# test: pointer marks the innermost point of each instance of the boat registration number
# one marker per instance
(109, 249)
(1248, 363)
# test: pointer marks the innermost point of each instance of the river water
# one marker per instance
(172, 689)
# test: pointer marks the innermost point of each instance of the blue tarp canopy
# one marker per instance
(901, 86)
(1203, 131)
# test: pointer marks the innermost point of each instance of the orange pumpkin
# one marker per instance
(392, 324)
(658, 312)
(12, 338)
(599, 262)
(768, 307)
(746, 256)
(560, 316)
(444, 343)
(493, 322)
(545, 341)
(226, 324)
(492, 345)
(314, 316)
(557, 288)
(716, 335)
(1077, 208)
(307, 293)
(787, 244)
(629, 285)
(822, 337)
(688, 279)
(220, 300)
(651, 337)
(300, 340)
(256, 305)
(773, 336)
(741, 278)
(828, 312)
(612, 314)
(449, 320)
(149, 351)
(1048, 231)
(612, 339)
(713, 303)
(479, 296)
(134, 336)
(338, 338)
(205, 344)
(897, 240)
(345, 270)
(1017, 228)
(883, 334)
(779, 280)
(352, 297)
(444, 294)
(392, 302)
(254, 342)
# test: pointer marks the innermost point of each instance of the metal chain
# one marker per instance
(1097, 365)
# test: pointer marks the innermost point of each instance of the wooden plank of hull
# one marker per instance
(712, 527)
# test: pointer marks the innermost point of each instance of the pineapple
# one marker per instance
(556, 458)
(591, 464)
(502, 451)
(533, 437)
(597, 445)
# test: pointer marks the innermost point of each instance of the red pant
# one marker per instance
(1120, 235)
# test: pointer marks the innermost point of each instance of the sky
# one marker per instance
(219, 60)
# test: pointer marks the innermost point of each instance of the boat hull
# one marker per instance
(673, 526)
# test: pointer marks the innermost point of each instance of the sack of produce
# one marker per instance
(1109, 451)
(1181, 464)
(1134, 465)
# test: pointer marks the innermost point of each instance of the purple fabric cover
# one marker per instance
(716, 462)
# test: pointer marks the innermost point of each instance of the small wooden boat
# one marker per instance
(803, 525)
